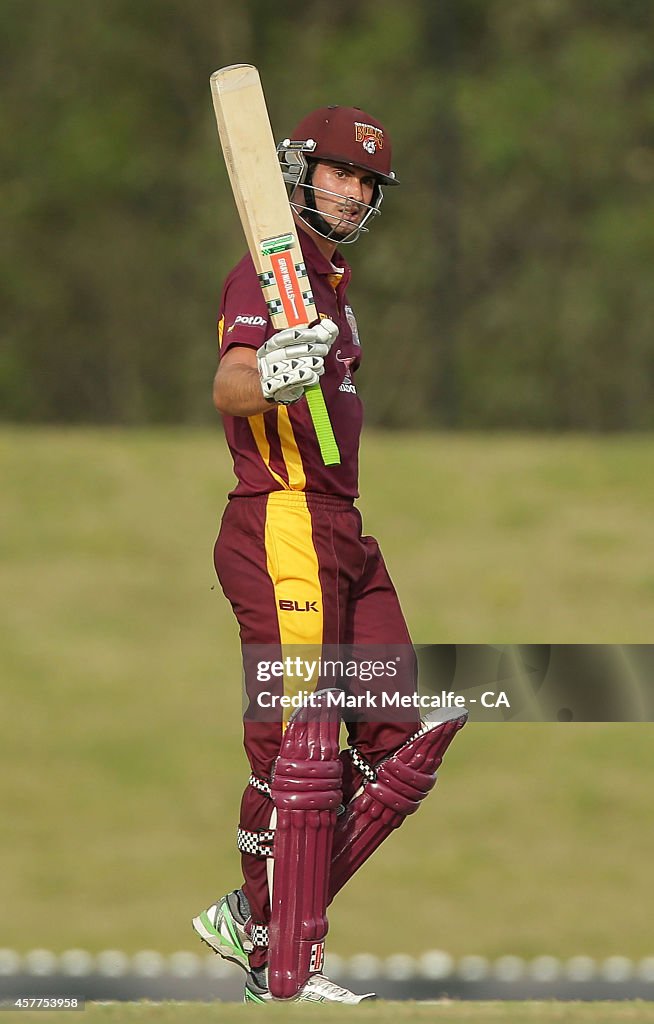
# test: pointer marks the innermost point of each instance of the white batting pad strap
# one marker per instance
(363, 766)
(258, 843)
(259, 934)
(437, 718)
(259, 784)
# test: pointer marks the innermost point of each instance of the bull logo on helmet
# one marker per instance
(370, 137)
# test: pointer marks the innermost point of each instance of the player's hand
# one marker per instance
(293, 360)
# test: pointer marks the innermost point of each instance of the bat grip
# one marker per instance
(322, 425)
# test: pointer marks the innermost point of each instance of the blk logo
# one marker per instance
(298, 606)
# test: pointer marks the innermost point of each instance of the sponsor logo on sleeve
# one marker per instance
(245, 320)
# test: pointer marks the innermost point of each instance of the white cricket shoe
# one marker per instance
(318, 989)
(222, 927)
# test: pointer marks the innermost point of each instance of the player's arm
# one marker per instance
(249, 381)
(237, 384)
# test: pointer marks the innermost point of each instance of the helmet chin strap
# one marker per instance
(310, 213)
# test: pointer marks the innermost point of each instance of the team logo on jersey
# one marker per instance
(347, 360)
(352, 323)
(370, 137)
(347, 383)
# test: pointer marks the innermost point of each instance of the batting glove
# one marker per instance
(293, 360)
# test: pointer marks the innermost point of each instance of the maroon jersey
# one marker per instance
(278, 450)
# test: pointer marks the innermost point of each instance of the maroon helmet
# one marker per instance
(342, 135)
(348, 135)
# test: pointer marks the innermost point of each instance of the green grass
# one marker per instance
(381, 1013)
(506, 539)
(120, 732)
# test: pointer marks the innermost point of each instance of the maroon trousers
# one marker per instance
(297, 571)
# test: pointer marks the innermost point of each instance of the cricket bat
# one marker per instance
(263, 207)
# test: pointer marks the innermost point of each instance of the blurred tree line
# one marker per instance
(505, 285)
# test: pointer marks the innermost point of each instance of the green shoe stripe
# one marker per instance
(235, 945)
(204, 917)
(229, 921)
(251, 997)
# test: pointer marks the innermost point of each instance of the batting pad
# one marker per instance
(306, 791)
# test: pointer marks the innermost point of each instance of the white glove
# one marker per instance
(293, 360)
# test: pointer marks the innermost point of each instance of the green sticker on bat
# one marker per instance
(281, 243)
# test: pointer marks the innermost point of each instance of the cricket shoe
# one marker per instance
(318, 989)
(222, 927)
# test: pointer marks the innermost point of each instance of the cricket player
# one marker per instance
(293, 562)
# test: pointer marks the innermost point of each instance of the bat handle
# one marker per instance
(322, 425)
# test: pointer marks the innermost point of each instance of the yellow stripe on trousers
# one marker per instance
(293, 567)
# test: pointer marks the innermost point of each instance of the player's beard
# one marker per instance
(333, 226)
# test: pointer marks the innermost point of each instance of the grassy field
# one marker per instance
(380, 1013)
(120, 733)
